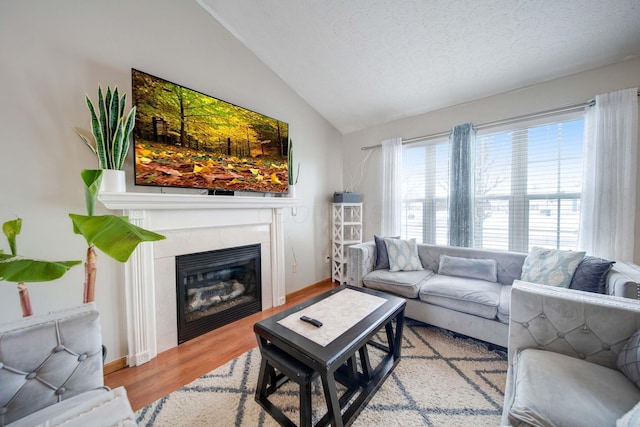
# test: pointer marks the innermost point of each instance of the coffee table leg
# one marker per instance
(331, 396)
(398, 338)
(364, 360)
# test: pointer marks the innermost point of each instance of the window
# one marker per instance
(528, 181)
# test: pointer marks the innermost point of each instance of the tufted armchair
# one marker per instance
(563, 353)
(51, 373)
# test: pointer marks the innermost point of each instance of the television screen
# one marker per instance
(184, 138)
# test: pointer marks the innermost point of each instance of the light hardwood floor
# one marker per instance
(180, 365)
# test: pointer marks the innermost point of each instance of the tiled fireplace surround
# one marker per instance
(191, 224)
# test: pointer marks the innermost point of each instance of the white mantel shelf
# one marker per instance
(154, 201)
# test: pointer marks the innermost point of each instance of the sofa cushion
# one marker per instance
(403, 255)
(382, 256)
(629, 359)
(403, 283)
(591, 394)
(504, 308)
(591, 275)
(472, 296)
(471, 268)
(551, 267)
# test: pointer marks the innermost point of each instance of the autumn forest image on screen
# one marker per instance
(184, 138)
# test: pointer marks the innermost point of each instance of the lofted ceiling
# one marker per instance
(361, 63)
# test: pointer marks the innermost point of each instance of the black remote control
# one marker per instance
(314, 322)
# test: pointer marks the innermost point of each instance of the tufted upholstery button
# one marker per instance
(606, 346)
(82, 357)
(58, 349)
(543, 316)
(582, 356)
(560, 335)
(585, 328)
(31, 375)
(60, 391)
(525, 324)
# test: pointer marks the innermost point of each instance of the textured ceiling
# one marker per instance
(364, 62)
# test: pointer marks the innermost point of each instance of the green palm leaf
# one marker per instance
(113, 235)
(19, 269)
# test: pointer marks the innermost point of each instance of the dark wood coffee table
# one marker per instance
(289, 355)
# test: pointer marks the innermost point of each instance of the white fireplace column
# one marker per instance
(176, 213)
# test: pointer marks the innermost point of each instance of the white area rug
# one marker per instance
(440, 381)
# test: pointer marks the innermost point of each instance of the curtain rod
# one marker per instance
(568, 109)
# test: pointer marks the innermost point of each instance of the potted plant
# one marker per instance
(293, 180)
(111, 127)
(113, 235)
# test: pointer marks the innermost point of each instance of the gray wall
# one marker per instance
(553, 94)
(52, 53)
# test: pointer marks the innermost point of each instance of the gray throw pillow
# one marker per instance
(552, 267)
(472, 268)
(591, 275)
(403, 255)
(382, 256)
(629, 359)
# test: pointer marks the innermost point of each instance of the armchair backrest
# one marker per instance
(585, 325)
(49, 358)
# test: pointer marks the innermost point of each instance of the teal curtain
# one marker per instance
(461, 185)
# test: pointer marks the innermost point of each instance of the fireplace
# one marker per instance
(215, 288)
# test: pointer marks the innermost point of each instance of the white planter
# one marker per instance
(292, 191)
(113, 181)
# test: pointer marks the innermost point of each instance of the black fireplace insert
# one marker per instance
(215, 288)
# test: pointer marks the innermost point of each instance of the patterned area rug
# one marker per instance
(441, 380)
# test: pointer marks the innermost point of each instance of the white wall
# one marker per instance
(52, 53)
(553, 94)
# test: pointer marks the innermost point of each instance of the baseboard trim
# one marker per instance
(306, 289)
(116, 365)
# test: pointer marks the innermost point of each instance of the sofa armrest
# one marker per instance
(623, 280)
(360, 262)
(589, 326)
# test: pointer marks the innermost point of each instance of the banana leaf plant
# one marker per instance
(111, 128)
(114, 235)
(18, 269)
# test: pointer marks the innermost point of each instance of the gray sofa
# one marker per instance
(476, 308)
(564, 359)
(51, 373)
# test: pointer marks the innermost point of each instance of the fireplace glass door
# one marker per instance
(216, 288)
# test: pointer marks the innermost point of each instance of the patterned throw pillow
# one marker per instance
(403, 255)
(551, 267)
(591, 275)
(382, 257)
(629, 359)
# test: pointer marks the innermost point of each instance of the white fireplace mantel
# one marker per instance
(184, 218)
(151, 201)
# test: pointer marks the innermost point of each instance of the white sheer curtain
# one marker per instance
(391, 186)
(608, 211)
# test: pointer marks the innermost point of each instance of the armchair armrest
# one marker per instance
(588, 326)
(360, 262)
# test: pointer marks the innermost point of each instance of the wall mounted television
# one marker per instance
(184, 138)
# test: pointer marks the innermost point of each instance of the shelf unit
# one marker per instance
(346, 228)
